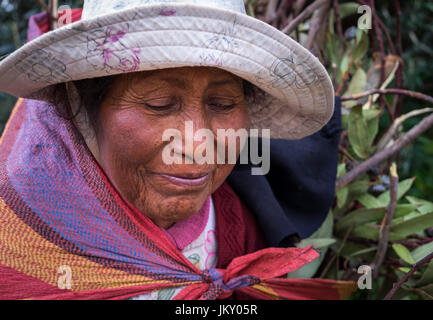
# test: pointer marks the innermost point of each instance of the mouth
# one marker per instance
(191, 181)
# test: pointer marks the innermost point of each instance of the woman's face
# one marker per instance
(132, 119)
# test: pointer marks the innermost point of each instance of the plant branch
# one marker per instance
(386, 225)
(339, 25)
(343, 243)
(413, 94)
(377, 31)
(419, 129)
(303, 16)
(43, 5)
(271, 10)
(406, 277)
(400, 75)
(383, 28)
(392, 131)
(317, 22)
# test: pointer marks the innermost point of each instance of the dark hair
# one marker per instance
(92, 92)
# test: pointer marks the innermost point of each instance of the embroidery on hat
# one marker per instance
(41, 66)
(112, 53)
(221, 43)
(286, 72)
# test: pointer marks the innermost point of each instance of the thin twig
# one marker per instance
(317, 22)
(271, 10)
(283, 8)
(303, 16)
(416, 131)
(399, 76)
(43, 5)
(421, 293)
(347, 154)
(406, 277)
(296, 8)
(344, 78)
(53, 7)
(383, 28)
(386, 225)
(343, 243)
(339, 25)
(393, 130)
(413, 94)
(377, 31)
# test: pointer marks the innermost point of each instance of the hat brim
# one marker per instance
(301, 95)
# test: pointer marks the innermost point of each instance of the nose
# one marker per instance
(198, 137)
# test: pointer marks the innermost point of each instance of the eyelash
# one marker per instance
(222, 107)
(160, 108)
(169, 107)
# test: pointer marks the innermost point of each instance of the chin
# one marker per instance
(166, 212)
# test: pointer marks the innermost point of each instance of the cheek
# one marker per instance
(130, 136)
(129, 141)
(221, 173)
(236, 121)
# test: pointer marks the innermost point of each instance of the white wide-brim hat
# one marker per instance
(119, 36)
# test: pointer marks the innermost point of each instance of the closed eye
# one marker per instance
(161, 108)
(221, 106)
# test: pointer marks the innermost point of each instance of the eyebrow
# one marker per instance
(183, 84)
(222, 83)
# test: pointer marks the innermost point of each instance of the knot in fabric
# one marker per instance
(219, 287)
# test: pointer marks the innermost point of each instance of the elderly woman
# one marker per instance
(114, 168)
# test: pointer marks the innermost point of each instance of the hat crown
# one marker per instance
(96, 8)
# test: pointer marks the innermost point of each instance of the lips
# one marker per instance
(185, 181)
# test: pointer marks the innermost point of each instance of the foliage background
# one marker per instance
(360, 208)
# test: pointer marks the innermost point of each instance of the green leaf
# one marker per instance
(365, 231)
(348, 9)
(372, 118)
(422, 251)
(369, 201)
(370, 114)
(356, 85)
(428, 289)
(404, 209)
(333, 48)
(358, 133)
(403, 253)
(363, 216)
(427, 276)
(342, 196)
(403, 187)
(413, 225)
(359, 217)
(316, 243)
(341, 170)
(343, 192)
(359, 187)
(361, 47)
(350, 248)
(363, 251)
(383, 200)
(424, 205)
(344, 66)
(371, 232)
(331, 22)
(325, 230)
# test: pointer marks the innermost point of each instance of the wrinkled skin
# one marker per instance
(131, 121)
